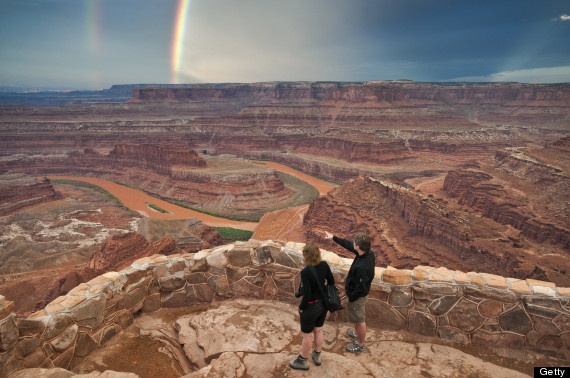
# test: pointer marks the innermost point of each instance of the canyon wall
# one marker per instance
(408, 228)
(392, 92)
(166, 171)
(371, 122)
(19, 191)
(455, 307)
(492, 201)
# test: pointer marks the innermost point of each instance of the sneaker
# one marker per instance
(316, 357)
(299, 363)
(351, 334)
(355, 348)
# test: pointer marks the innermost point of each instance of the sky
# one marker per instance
(93, 44)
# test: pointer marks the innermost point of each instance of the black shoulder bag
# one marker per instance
(329, 292)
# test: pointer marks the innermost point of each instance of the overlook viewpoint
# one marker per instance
(167, 228)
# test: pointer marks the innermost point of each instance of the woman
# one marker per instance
(311, 309)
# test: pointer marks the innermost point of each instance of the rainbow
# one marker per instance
(93, 22)
(178, 38)
(93, 36)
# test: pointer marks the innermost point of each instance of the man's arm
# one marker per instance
(346, 244)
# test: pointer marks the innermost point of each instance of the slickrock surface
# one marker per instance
(481, 313)
(258, 338)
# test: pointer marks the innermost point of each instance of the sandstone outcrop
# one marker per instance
(190, 235)
(456, 308)
(408, 228)
(371, 122)
(171, 172)
(493, 201)
(119, 251)
(159, 158)
(19, 191)
(403, 93)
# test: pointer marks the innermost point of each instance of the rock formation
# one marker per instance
(119, 251)
(501, 315)
(19, 191)
(408, 228)
(313, 123)
(171, 172)
(159, 158)
(489, 162)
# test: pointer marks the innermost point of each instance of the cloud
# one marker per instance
(562, 17)
(534, 75)
(293, 40)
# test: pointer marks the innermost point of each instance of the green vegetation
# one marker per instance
(261, 159)
(83, 184)
(153, 206)
(233, 234)
(236, 218)
(306, 193)
(127, 185)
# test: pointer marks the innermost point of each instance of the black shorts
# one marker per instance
(313, 316)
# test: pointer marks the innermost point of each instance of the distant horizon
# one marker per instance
(39, 89)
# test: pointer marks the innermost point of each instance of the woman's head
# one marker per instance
(311, 254)
(362, 241)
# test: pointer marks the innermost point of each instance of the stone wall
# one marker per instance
(457, 307)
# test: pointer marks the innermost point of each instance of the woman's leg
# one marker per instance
(306, 344)
(319, 339)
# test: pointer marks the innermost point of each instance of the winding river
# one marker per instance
(138, 201)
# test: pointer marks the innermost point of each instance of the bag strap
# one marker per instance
(314, 271)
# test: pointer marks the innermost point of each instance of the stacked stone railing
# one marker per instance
(456, 307)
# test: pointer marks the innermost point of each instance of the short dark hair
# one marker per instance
(362, 241)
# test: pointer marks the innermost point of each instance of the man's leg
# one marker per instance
(360, 332)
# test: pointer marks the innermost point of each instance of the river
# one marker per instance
(136, 200)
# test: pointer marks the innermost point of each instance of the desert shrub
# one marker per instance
(233, 234)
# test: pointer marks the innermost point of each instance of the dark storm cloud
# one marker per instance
(99, 43)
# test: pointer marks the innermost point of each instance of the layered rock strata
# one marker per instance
(456, 307)
(475, 191)
(403, 93)
(19, 191)
(371, 122)
(119, 251)
(166, 171)
(408, 228)
(526, 188)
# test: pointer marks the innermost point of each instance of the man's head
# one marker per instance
(362, 241)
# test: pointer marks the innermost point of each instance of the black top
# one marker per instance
(311, 291)
(361, 271)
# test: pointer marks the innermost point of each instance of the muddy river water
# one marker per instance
(138, 201)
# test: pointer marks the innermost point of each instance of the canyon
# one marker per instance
(460, 176)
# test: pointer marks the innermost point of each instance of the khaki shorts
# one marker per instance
(357, 310)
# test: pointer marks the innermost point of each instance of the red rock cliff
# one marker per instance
(395, 93)
(18, 191)
(408, 229)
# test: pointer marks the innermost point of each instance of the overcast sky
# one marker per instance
(92, 44)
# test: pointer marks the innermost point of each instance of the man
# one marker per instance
(357, 285)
